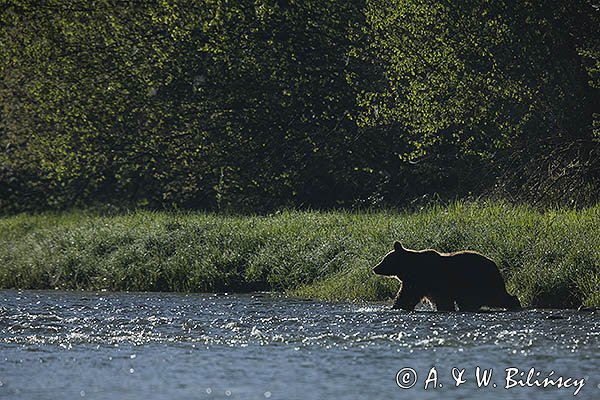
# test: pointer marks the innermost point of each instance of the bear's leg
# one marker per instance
(509, 302)
(513, 303)
(468, 306)
(500, 300)
(407, 298)
(444, 304)
(470, 301)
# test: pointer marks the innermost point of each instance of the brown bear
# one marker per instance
(465, 278)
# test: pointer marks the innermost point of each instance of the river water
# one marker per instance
(56, 345)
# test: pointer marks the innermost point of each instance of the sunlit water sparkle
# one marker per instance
(159, 345)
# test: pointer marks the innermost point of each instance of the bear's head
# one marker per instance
(392, 262)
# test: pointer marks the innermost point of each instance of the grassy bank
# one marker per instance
(549, 259)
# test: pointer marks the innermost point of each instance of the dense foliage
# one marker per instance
(255, 105)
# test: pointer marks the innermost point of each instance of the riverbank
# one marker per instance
(548, 259)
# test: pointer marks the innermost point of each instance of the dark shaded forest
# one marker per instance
(252, 106)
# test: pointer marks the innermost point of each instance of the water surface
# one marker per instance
(162, 346)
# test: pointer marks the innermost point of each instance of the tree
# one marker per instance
(503, 82)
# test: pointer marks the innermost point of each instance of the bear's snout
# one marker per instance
(378, 269)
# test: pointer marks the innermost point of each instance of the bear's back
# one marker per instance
(469, 269)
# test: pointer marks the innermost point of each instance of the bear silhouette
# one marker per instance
(465, 279)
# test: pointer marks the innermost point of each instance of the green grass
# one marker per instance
(549, 259)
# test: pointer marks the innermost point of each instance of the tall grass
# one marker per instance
(549, 259)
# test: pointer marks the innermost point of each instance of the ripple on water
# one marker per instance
(183, 346)
(38, 318)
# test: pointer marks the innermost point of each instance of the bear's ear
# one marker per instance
(398, 246)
